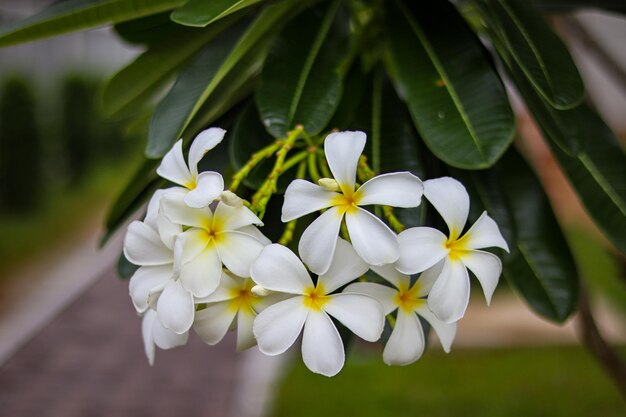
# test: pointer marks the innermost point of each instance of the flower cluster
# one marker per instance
(204, 263)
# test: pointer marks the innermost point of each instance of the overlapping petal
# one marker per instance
(406, 343)
(192, 243)
(345, 267)
(484, 233)
(372, 239)
(201, 275)
(420, 248)
(167, 339)
(381, 293)
(486, 267)
(233, 218)
(278, 269)
(445, 331)
(175, 307)
(173, 166)
(213, 322)
(245, 336)
(451, 200)
(277, 327)
(397, 189)
(255, 233)
(204, 142)
(146, 281)
(209, 186)
(146, 333)
(143, 246)
(225, 291)
(303, 197)
(362, 314)
(392, 275)
(343, 150)
(449, 296)
(238, 251)
(178, 212)
(322, 348)
(318, 242)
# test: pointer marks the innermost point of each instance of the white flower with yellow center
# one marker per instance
(406, 343)
(424, 247)
(372, 239)
(310, 306)
(200, 188)
(232, 304)
(225, 235)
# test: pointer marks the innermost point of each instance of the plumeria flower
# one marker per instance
(155, 335)
(232, 303)
(311, 305)
(200, 189)
(424, 247)
(372, 239)
(406, 343)
(224, 235)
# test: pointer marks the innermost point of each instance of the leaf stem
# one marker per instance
(256, 158)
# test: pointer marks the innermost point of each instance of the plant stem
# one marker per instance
(256, 158)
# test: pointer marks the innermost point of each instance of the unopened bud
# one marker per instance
(260, 291)
(231, 199)
(329, 184)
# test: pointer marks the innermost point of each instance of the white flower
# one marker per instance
(406, 343)
(200, 189)
(375, 243)
(212, 238)
(232, 303)
(277, 327)
(154, 334)
(424, 247)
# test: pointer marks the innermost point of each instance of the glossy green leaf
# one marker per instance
(540, 266)
(539, 52)
(146, 30)
(302, 78)
(151, 70)
(71, 15)
(212, 66)
(125, 269)
(203, 12)
(457, 101)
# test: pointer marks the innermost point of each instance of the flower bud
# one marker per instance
(231, 199)
(328, 184)
(260, 291)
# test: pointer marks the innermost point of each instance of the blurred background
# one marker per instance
(70, 341)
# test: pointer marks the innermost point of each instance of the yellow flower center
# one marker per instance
(408, 298)
(347, 201)
(457, 247)
(243, 298)
(213, 231)
(315, 297)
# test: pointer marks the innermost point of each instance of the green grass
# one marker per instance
(63, 213)
(530, 382)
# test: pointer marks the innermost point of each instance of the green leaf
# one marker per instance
(212, 66)
(203, 12)
(302, 77)
(457, 101)
(125, 269)
(540, 53)
(71, 15)
(540, 266)
(146, 30)
(138, 81)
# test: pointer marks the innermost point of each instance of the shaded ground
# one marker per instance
(90, 362)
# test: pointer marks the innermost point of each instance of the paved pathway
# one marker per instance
(89, 361)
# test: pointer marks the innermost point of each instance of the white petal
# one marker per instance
(278, 326)
(168, 231)
(484, 234)
(238, 251)
(487, 268)
(449, 296)
(201, 275)
(175, 307)
(227, 290)
(174, 168)
(420, 248)
(233, 218)
(179, 212)
(428, 278)
(383, 294)
(204, 142)
(153, 207)
(451, 200)
(318, 242)
(346, 266)
(406, 343)
(146, 281)
(213, 322)
(362, 314)
(322, 348)
(303, 197)
(209, 186)
(189, 244)
(245, 337)
(167, 339)
(396, 189)
(445, 331)
(372, 239)
(343, 150)
(391, 274)
(255, 233)
(278, 269)
(143, 246)
(146, 332)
